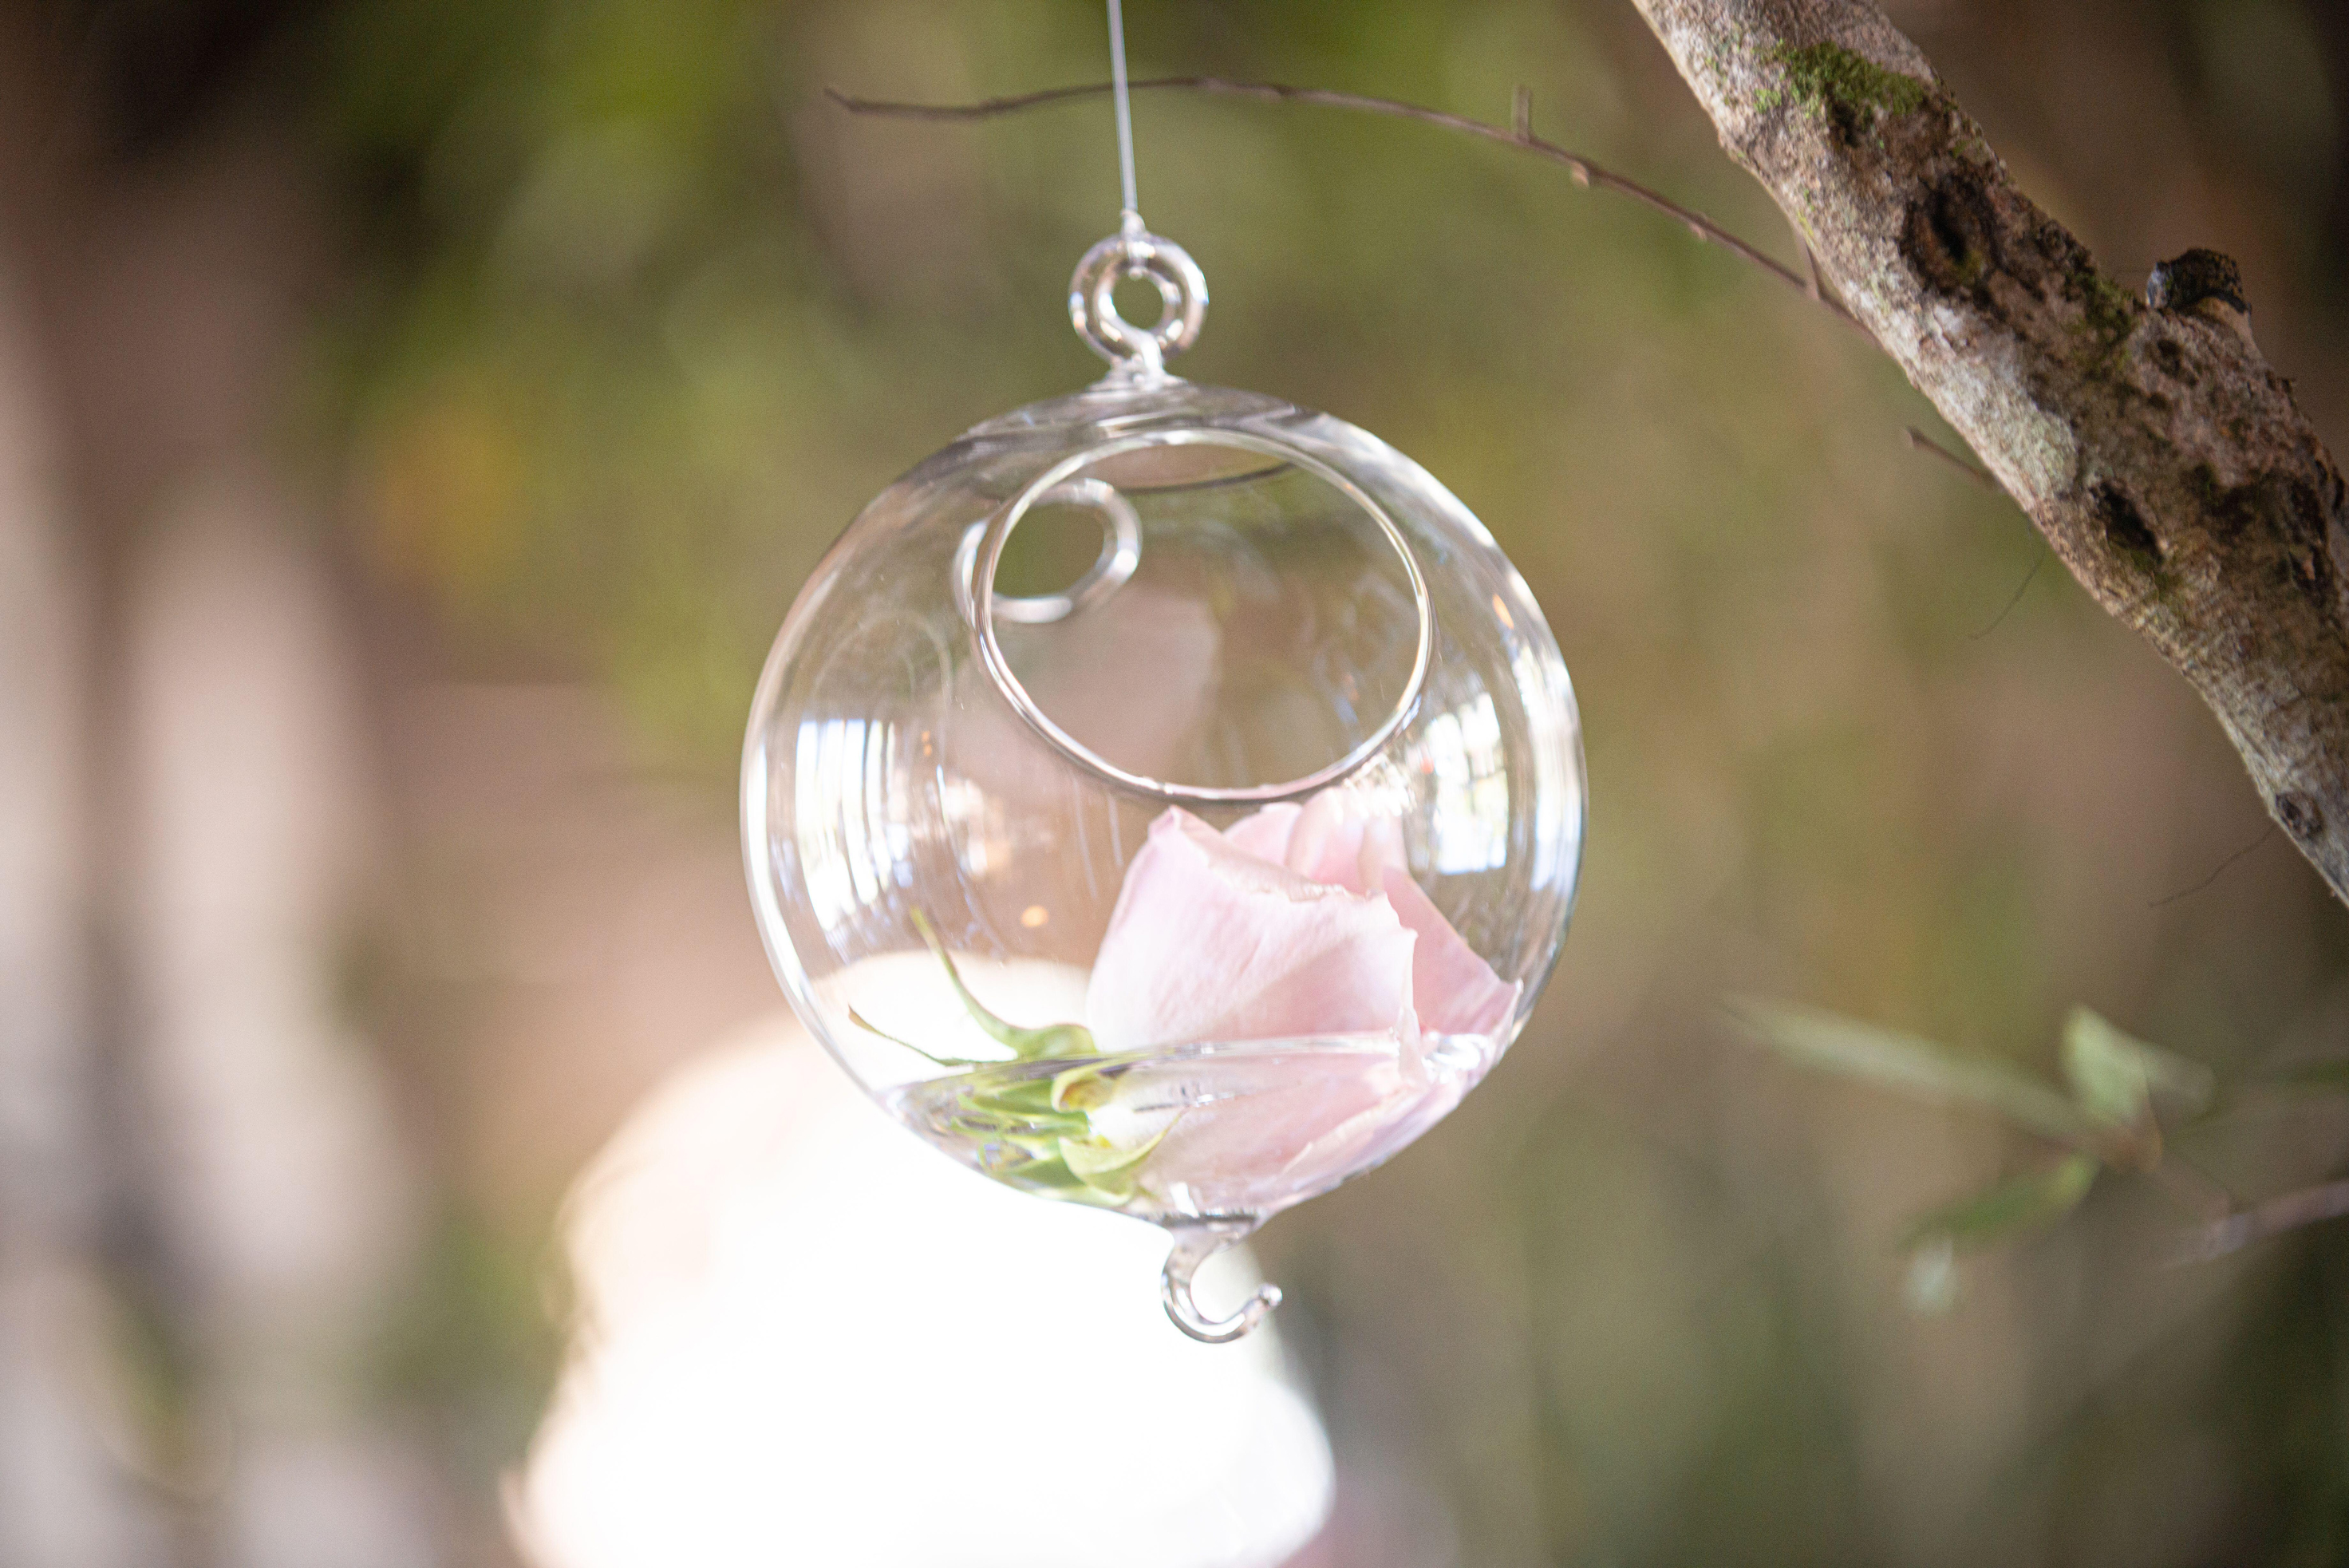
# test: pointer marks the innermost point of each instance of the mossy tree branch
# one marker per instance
(2163, 460)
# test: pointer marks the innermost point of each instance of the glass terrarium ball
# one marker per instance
(1165, 798)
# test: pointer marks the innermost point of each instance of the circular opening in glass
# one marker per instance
(1081, 542)
(1253, 628)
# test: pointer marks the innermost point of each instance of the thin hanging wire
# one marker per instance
(1133, 221)
(1133, 252)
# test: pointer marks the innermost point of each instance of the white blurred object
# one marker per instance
(807, 1338)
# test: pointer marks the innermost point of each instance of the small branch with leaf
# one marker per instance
(2104, 1118)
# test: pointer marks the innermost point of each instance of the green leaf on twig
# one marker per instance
(2107, 1076)
(2312, 1076)
(2089, 1038)
(2109, 1119)
(2115, 1079)
(2008, 1208)
(2002, 1212)
(1917, 1067)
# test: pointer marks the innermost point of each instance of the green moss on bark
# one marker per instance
(1837, 82)
(2111, 309)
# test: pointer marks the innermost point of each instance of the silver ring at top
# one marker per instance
(1136, 253)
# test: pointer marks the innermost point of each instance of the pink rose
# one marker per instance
(1299, 921)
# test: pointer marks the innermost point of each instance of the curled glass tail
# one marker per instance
(1193, 1245)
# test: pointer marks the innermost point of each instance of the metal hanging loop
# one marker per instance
(1136, 253)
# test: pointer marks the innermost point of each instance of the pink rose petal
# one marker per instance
(1265, 834)
(1338, 837)
(1341, 838)
(1209, 942)
(1334, 841)
(1454, 990)
(1286, 1126)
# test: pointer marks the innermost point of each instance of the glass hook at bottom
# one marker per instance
(1193, 1245)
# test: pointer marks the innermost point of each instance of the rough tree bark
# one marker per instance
(2165, 463)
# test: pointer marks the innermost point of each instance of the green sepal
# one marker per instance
(866, 1025)
(1046, 1125)
(1052, 1043)
(1038, 1146)
(1085, 1088)
(1050, 1177)
(1022, 1107)
(1021, 1097)
(1040, 1165)
(1107, 1168)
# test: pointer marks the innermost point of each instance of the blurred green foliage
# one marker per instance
(2108, 1118)
(476, 1342)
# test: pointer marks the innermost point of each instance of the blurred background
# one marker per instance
(415, 419)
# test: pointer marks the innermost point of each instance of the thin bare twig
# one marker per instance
(2013, 598)
(2307, 1207)
(1520, 135)
(2222, 869)
(1920, 441)
(2192, 1186)
(1810, 262)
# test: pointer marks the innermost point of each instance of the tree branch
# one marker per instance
(2165, 461)
(1585, 172)
(2277, 1215)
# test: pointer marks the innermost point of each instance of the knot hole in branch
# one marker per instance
(2300, 815)
(2127, 533)
(1949, 235)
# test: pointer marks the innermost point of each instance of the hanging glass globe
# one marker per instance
(1202, 873)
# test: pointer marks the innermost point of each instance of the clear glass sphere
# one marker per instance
(1165, 798)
